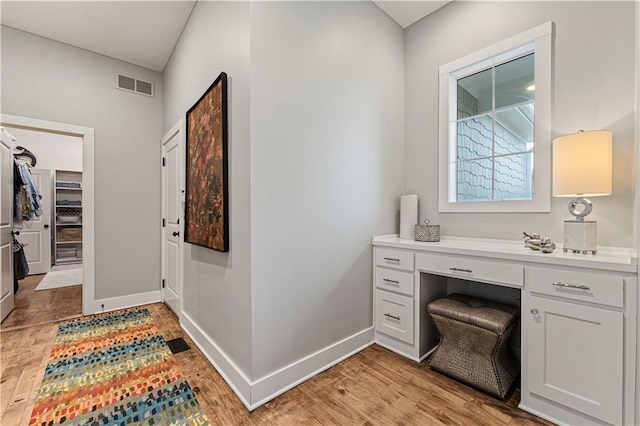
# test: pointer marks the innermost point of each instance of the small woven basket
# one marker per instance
(428, 233)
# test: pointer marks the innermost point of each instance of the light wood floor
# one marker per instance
(373, 387)
(41, 307)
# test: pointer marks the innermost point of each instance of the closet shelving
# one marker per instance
(68, 215)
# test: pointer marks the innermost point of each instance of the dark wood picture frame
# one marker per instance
(207, 184)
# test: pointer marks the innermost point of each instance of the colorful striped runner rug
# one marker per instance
(114, 369)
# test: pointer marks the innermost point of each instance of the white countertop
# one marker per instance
(608, 258)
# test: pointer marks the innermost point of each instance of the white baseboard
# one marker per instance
(278, 382)
(537, 413)
(230, 372)
(380, 342)
(557, 413)
(123, 302)
(425, 356)
(253, 394)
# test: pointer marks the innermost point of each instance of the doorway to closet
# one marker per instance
(53, 247)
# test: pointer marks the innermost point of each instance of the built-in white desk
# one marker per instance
(578, 317)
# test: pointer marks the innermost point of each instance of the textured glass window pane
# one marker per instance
(492, 150)
(514, 177)
(474, 94)
(514, 130)
(514, 81)
(474, 180)
(474, 138)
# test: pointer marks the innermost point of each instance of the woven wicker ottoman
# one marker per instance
(474, 347)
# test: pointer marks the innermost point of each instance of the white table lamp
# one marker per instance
(582, 167)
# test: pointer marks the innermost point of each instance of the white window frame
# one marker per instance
(538, 40)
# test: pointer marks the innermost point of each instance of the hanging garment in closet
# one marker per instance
(18, 183)
(33, 193)
(20, 264)
(27, 200)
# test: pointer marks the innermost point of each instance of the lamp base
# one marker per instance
(580, 236)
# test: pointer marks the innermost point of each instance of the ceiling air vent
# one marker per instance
(132, 84)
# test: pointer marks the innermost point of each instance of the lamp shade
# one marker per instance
(582, 164)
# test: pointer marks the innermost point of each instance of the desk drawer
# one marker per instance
(585, 286)
(399, 259)
(474, 269)
(400, 282)
(394, 315)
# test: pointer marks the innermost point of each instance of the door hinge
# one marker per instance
(164, 222)
(178, 222)
(164, 162)
(163, 283)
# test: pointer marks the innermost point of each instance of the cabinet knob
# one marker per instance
(534, 311)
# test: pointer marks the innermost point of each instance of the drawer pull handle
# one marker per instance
(461, 270)
(392, 316)
(567, 285)
(387, 280)
(391, 259)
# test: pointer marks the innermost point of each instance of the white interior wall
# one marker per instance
(326, 169)
(298, 276)
(636, 154)
(53, 81)
(593, 76)
(217, 286)
(53, 151)
(636, 208)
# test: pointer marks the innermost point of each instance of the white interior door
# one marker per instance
(171, 213)
(6, 225)
(36, 234)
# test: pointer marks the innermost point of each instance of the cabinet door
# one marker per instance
(394, 315)
(576, 356)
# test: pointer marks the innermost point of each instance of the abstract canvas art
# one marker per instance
(206, 207)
